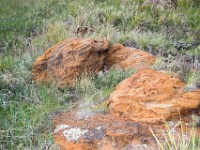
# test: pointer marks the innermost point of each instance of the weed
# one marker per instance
(6, 63)
(25, 108)
(151, 41)
(184, 67)
(93, 91)
(173, 140)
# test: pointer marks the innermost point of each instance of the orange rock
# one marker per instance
(67, 60)
(102, 132)
(120, 57)
(150, 97)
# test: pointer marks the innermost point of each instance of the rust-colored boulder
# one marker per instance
(67, 60)
(120, 57)
(64, 62)
(150, 97)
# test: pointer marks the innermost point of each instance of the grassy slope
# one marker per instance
(29, 27)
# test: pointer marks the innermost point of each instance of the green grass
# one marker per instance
(29, 27)
(52, 21)
(186, 71)
(6, 63)
(96, 89)
(26, 109)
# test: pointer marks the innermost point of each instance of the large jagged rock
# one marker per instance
(150, 97)
(67, 60)
(120, 57)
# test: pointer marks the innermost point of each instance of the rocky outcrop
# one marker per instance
(68, 60)
(150, 97)
(120, 57)
(146, 97)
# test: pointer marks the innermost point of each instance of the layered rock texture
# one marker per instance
(151, 97)
(68, 60)
(120, 57)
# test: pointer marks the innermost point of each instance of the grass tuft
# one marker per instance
(185, 139)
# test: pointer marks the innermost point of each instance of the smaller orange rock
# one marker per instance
(150, 96)
(98, 132)
(120, 57)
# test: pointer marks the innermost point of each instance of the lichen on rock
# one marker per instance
(73, 134)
